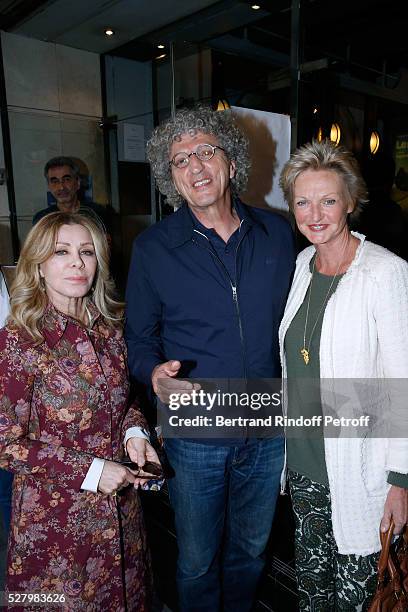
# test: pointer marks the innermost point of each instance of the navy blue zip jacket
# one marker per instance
(182, 303)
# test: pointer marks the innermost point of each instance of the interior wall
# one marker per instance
(54, 105)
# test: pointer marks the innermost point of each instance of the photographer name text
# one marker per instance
(269, 421)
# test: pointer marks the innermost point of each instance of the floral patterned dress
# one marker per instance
(63, 403)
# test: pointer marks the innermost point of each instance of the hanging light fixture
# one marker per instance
(335, 133)
(374, 142)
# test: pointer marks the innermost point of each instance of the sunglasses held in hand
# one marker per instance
(149, 471)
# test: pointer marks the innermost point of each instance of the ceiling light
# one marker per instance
(374, 142)
(256, 7)
(160, 46)
(109, 32)
(160, 56)
(315, 110)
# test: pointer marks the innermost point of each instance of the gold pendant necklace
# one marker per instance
(305, 351)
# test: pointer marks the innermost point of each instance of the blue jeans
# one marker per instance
(224, 500)
(6, 482)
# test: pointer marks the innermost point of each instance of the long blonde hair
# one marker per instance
(28, 299)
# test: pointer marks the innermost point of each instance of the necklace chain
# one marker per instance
(305, 351)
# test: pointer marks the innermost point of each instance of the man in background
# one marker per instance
(63, 180)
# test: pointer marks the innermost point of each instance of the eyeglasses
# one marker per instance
(64, 180)
(204, 152)
(148, 471)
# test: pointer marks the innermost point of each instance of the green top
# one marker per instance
(305, 446)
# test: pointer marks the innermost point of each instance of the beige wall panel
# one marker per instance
(30, 72)
(45, 83)
(79, 81)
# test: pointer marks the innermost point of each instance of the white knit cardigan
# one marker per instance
(364, 335)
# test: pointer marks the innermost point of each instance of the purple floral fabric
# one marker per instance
(63, 403)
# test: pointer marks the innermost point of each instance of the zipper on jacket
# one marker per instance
(241, 333)
(235, 298)
(234, 292)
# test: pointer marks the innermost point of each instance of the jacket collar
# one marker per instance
(54, 323)
(306, 255)
(181, 223)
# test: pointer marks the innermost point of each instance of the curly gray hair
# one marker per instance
(326, 155)
(203, 119)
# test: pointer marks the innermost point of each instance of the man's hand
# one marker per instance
(114, 477)
(165, 383)
(396, 506)
(140, 451)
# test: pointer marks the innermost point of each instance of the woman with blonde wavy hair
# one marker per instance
(66, 424)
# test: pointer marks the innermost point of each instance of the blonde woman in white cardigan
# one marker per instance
(346, 319)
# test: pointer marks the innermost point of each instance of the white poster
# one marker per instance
(131, 138)
(269, 148)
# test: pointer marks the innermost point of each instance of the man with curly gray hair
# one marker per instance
(206, 291)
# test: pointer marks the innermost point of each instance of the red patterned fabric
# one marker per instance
(62, 404)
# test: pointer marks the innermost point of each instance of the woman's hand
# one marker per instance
(114, 477)
(396, 507)
(140, 451)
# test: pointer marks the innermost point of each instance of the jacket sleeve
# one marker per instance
(133, 418)
(143, 319)
(391, 314)
(20, 451)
